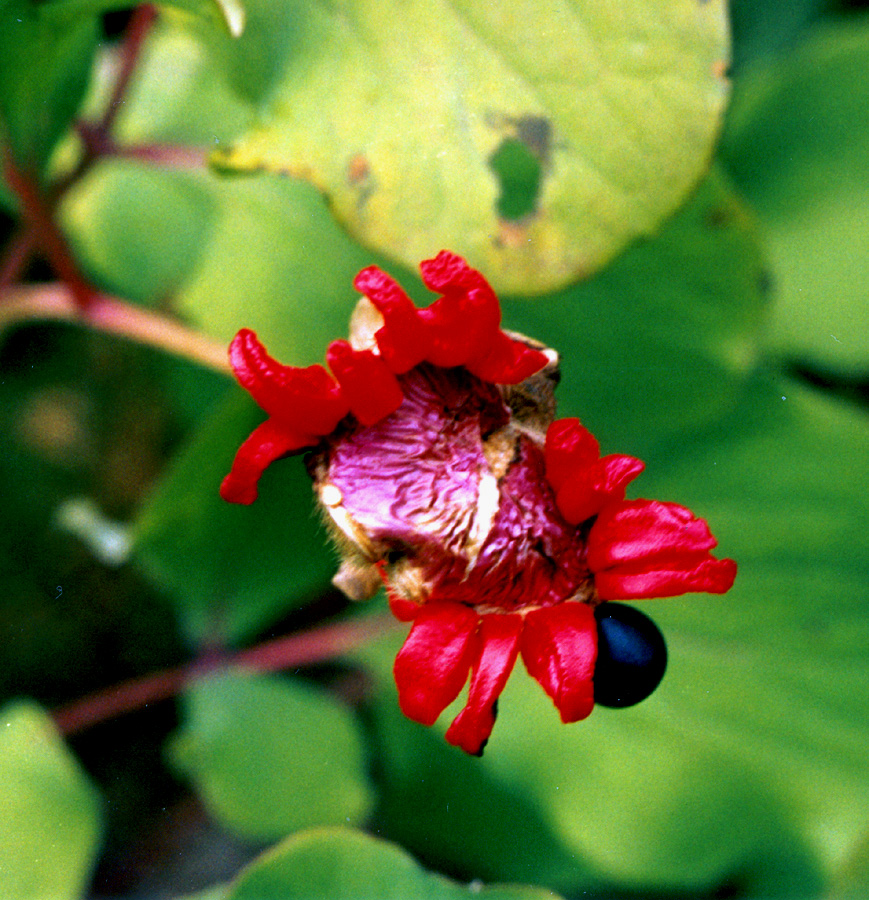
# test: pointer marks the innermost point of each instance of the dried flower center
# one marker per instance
(454, 497)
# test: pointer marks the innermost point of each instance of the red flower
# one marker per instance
(495, 529)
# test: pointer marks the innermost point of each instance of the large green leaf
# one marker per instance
(340, 864)
(44, 72)
(138, 230)
(402, 115)
(231, 569)
(797, 144)
(49, 811)
(747, 768)
(269, 755)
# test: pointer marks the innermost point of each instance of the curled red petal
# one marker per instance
(432, 666)
(449, 273)
(646, 531)
(465, 321)
(268, 442)
(498, 644)
(585, 493)
(570, 446)
(403, 340)
(507, 361)
(707, 575)
(308, 399)
(559, 648)
(366, 382)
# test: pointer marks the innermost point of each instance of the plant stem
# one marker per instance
(55, 302)
(38, 214)
(17, 254)
(292, 651)
(137, 30)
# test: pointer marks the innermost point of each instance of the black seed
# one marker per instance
(631, 655)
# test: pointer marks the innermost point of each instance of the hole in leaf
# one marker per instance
(518, 172)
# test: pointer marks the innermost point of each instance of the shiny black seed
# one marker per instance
(631, 655)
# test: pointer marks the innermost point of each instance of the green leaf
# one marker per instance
(50, 826)
(137, 230)
(339, 864)
(397, 113)
(231, 569)
(178, 95)
(797, 144)
(44, 72)
(269, 755)
(762, 29)
(852, 880)
(747, 767)
(662, 340)
(277, 263)
(783, 658)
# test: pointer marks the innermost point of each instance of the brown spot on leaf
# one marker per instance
(511, 234)
(358, 170)
(360, 178)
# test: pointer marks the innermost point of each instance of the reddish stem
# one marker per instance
(96, 136)
(38, 213)
(299, 649)
(16, 256)
(137, 30)
(112, 316)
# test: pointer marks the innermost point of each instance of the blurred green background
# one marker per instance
(699, 260)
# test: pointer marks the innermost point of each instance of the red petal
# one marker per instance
(449, 273)
(559, 647)
(507, 361)
(403, 340)
(498, 643)
(569, 447)
(305, 399)
(465, 321)
(432, 666)
(404, 610)
(585, 493)
(708, 575)
(268, 442)
(367, 384)
(649, 531)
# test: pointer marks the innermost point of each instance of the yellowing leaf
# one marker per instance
(534, 139)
